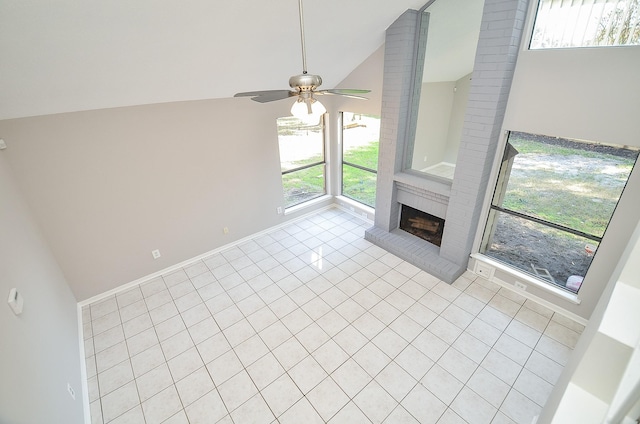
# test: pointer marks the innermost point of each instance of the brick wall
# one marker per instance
(461, 203)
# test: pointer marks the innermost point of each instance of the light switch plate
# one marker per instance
(15, 301)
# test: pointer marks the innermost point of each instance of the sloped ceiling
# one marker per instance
(71, 55)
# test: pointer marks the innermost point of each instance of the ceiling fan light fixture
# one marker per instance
(308, 110)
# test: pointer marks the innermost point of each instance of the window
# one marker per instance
(360, 139)
(552, 203)
(585, 23)
(301, 160)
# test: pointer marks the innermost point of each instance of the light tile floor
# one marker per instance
(311, 324)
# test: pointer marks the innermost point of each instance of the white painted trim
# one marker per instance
(187, 262)
(565, 295)
(520, 275)
(86, 406)
(307, 204)
(350, 212)
(368, 210)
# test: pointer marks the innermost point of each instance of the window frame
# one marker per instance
(353, 165)
(491, 215)
(323, 162)
(531, 27)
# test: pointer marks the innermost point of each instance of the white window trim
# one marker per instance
(526, 278)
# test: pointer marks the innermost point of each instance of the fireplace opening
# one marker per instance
(422, 224)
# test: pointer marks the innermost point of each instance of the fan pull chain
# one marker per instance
(304, 51)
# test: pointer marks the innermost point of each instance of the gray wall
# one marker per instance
(39, 350)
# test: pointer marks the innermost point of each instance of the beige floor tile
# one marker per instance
(351, 377)
(472, 408)
(330, 356)
(423, 405)
(390, 342)
(194, 386)
(290, 353)
(501, 366)
(301, 412)
(350, 414)
(327, 398)
(265, 370)
(237, 390)
(281, 394)
(442, 384)
(224, 367)
(314, 309)
(119, 401)
(396, 381)
(208, 408)
(307, 374)
(488, 386)
(255, 411)
(519, 408)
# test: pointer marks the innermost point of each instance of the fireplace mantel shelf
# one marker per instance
(422, 182)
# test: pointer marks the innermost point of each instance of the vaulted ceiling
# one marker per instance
(71, 55)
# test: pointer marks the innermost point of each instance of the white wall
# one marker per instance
(109, 186)
(456, 121)
(39, 351)
(590, 94)
(434, 115)
(440, 120)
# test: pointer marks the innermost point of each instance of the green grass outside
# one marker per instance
(359, 185)
(580, 190)
(366, 155)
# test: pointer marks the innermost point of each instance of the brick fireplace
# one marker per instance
(459, 203)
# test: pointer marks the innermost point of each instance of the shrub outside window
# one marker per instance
(302, 160)
(552, 203)
(360, 140)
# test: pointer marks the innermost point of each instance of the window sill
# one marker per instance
(525, 278)
(308, 204)
(355, 207)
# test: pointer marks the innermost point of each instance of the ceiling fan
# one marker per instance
(304, 87)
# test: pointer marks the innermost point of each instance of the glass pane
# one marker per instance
(300, 144)
(359, 185)
(586, 23)
(555, 256)
(360, 138)
(566, 182)
(303, 185)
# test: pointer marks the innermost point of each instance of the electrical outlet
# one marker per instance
(155, 254)
(520, 286)
(352, 209)
(425, 159)
(71, 391)
(279, 210)
(484, 270)
(364, 214)
(225, 230)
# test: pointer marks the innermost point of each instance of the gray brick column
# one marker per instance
(397, 110)
(461, 203)
(498, 46)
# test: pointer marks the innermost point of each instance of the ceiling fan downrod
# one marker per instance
(304, 51)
